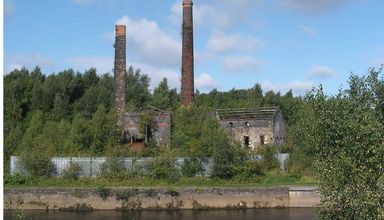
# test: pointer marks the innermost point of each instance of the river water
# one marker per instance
(254, 214)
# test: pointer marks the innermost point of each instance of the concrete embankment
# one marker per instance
(157, 198)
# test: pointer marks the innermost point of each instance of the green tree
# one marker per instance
(103, 130)
(346, 132)
(163, 97)
(136, 88)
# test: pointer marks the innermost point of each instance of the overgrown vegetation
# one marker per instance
(72, 172)
(193, 167)
(337, 138)
(103, 192)
(37, 164)
(346, 134)
(163, 167)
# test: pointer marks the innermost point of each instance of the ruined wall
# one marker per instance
(119, 72)
(161, 129)
(187, 63)
(278, 128)
(238, 129)
(162, 133)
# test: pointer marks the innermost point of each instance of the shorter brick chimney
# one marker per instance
(119, 72)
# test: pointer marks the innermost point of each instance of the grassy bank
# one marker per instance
(269, 179)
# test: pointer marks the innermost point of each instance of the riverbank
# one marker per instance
(102, 198)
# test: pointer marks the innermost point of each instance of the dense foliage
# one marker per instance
(71, 113)
(345, 136)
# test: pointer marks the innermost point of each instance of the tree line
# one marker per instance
(71, 113)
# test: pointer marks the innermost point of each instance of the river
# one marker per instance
(248, 214)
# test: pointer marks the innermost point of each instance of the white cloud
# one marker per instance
(203, 14)
(314, 6)
(28, 61)
(206, 82)
(308, 30)
(156, 74)
(216, 13)
(298, 87)
(82, 63)
(150, 44)
(220, 42)
(321, 72)
(238, 64)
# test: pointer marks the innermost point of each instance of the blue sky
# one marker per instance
(281, 44)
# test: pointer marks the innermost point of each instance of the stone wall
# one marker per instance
(253, 129)
(156, 198)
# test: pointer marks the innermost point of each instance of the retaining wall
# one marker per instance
(156, 198)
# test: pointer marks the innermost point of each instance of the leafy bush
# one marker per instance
(192, 166)
(226, 158)
(172, 193)
(163, 167)
(126, 194)
(248, 170)
(72, 172)
(16, 179)
(37, 163)
(113, 168)
(103, 192)
(268, 154)
(150, 192)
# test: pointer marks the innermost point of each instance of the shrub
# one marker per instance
(269, 160)
(192, 166)
(103, 192)
(163, 167)
(172, 193)
(16, 179)
(113, 168)
(226, 158)
(37, 164)
(126, 194)
(248, 170)
(72, 172)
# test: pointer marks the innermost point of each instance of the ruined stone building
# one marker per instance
(253, 127)
(141, 126)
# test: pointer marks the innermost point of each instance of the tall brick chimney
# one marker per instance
(119, 72)
(187, 78)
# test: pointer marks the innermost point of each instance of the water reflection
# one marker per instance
(254, 214)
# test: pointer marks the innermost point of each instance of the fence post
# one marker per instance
(91, 169)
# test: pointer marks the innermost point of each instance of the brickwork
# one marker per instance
(119, 71)
(187, 81)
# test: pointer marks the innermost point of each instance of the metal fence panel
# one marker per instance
(91, 166)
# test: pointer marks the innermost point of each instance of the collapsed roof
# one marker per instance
(266, 113)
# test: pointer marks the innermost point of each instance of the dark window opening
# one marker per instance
(246, 141)
(231, 124)
(262, 139)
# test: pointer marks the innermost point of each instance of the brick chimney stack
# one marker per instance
(119, 72)
(187, 78)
